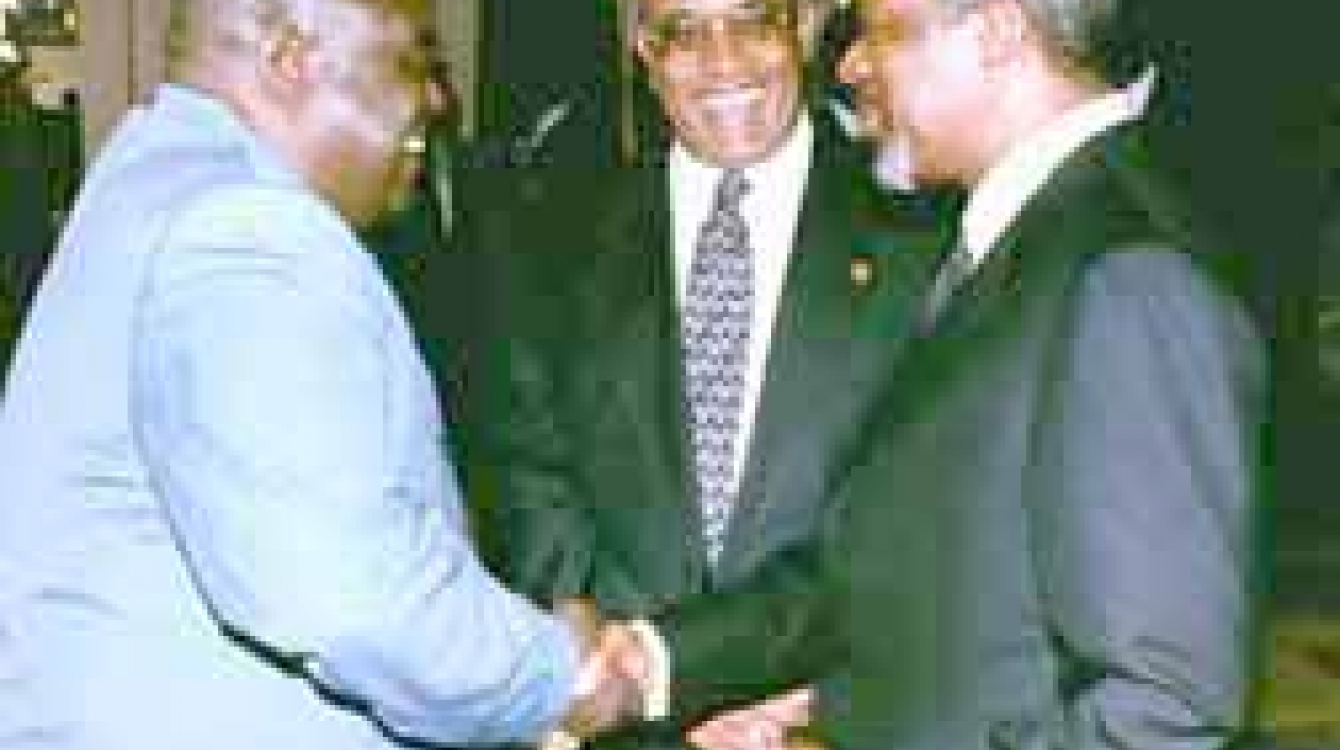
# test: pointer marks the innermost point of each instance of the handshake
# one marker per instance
(625, 678)
(618, 683)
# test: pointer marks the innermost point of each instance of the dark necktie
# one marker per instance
(953, 270)
(718, 313)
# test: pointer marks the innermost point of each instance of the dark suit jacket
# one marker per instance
(590, 470)
(25, 199)
(1049, 539)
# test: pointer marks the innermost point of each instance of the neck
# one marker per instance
(258, 107)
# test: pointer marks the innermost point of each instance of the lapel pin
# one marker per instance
(861, 271)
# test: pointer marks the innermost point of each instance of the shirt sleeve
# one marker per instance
(656, 691)
(264, 410)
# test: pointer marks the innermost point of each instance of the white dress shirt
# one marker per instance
(771, 208)
(1008, 185)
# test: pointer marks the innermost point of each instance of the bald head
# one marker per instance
(206, 33)
(335, 87)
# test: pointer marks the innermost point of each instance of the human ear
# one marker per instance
(290, 57)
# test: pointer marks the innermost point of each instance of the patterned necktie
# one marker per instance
(718, 312)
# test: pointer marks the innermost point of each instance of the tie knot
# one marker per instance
(733, 186)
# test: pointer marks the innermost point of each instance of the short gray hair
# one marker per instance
(1079, 30)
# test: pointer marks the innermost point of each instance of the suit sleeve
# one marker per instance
(263, 390)
(505, 336)
(524, 478)
(1140, 502)
(522, 472)
(779, 629)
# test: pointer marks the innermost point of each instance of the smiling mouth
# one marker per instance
(733, 99)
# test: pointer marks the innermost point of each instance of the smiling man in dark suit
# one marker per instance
(1048, 539)
(719, 329)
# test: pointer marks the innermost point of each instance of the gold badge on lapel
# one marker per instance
(861, 271)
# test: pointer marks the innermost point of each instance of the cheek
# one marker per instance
(681, 108)
(676, 91)
(383, 113)
(382, 127)
(785, 84)
(346, 123)
(917, 95)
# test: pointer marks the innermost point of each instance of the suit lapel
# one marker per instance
(841, 314)
(638, 244)
(812, 314)
(996, 277)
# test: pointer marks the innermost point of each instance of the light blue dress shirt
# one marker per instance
(225, 521)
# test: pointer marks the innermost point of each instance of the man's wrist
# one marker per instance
(655, 686)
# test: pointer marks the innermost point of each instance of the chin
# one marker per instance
(741, 157)
(367, 214)
(894, 168)
(751, 150)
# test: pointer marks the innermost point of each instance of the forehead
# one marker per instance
(891, 8)
(381, 36)
(392, 25)
(655, 8)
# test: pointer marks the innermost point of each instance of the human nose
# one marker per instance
(724, 47)
(853, 68)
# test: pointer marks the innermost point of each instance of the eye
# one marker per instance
(748, 22)
(678, 30)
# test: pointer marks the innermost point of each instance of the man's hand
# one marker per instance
(761, 726)
(611, 684)
(626, 653)
(585, 620)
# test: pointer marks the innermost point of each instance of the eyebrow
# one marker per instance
(412, 61)
(415, 62)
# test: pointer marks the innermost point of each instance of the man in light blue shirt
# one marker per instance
(225, 522)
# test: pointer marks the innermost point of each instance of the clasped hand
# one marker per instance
(615, 675)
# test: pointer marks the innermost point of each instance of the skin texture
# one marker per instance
(371, 95)
(919, 74)
(731, 96)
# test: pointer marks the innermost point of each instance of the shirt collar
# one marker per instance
(226, 127)
(1007, 185)
(792, 158)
